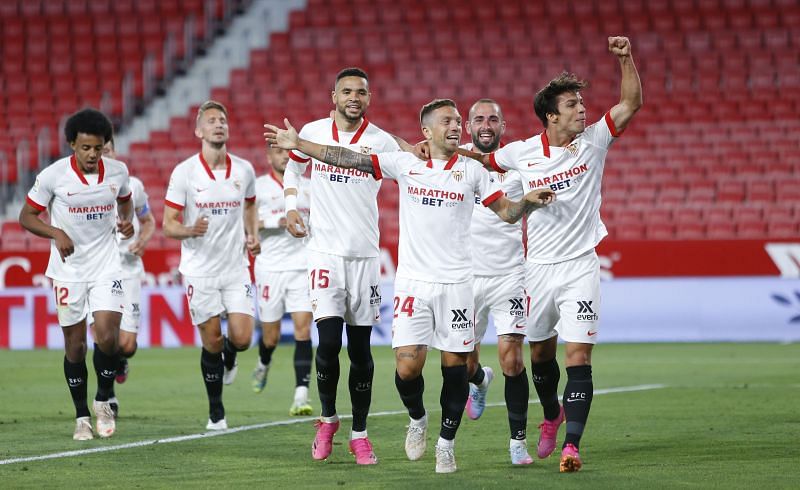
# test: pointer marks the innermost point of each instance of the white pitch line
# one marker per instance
(204, 435)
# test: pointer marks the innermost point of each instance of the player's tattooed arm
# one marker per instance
(512, 211)
(337, 156)
(344, 158)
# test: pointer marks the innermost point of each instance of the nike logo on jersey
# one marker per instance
(70, 194)
(532, 164)
(198, 190)
(414, 173)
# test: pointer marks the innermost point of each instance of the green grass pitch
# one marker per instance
(728, 416)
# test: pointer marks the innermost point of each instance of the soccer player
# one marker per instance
(433, 288)
(131, 251)
(213, 194)
(342, 254)
(281, 281)
(562, 267)
(80, 192)
(498, 263)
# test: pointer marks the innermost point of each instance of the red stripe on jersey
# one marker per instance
(611, 126)
(448, 165)
(101, 171)
(489, 200)
(376, 167)
(173, 205)
(297, 158)
(125, 198)
(35, 204)
(545, 144)
(250, 199)
(74, 163)
(275, 178)
(356, 137)
(451, 162)
(228, 165)
(494, 165)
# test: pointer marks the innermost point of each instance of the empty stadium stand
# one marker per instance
(713, 154)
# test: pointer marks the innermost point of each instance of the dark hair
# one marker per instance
(546, 100)
(88, 121)
(432, 106)
(351, 72)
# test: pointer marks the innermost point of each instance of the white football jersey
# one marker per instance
(436, 203)
(132, 266)
(219, 195)
(496, 245)
(344, 207)
(84, 207)
(571, 226)
(280, 251)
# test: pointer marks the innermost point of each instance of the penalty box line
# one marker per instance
(279, 423)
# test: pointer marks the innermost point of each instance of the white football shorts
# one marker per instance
(75, 299)
(281, 292)
(133, 295)
(565, 299)
(502, 297)
(210, 296)
(346, 287)
(438, 315)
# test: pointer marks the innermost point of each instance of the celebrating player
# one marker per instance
(214, 194)
(281, 280)
(80, 192)
(498, 263)
(343, 264)
(433, 289)
(563, 273)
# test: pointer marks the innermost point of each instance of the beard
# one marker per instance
(343, 112)
(492, 146)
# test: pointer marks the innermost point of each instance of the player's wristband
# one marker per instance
(290, 202)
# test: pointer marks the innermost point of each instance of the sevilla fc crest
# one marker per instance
(458, 175)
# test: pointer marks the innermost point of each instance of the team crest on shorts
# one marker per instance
(365, 150)
(313, 305)
(458, 175)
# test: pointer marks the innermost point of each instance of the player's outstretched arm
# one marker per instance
(482, 158)
(29, 219)
(512, 211)
(333, 155)
(173, 228)
(630, 98)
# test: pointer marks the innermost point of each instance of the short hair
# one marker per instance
(432, 106)
(546, 100)
(88, 121)
(210, 104)
(486, 101)
(351, 72)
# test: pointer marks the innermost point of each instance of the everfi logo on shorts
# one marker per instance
(460, 320)
(585, 312)
(517, 307)
(374, 296)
